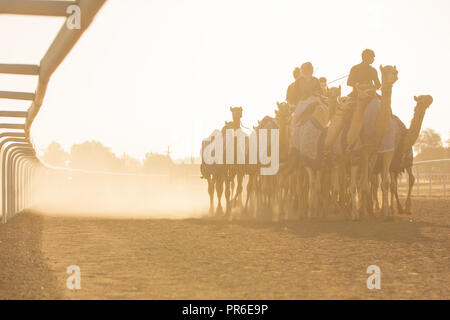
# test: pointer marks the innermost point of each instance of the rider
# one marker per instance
(324, 85)
(364, 74)
(309, 92)
(292, 97)
(308, 85)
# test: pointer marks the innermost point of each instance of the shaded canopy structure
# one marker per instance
(20, 165)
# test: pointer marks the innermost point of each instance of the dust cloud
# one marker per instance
(97, 194)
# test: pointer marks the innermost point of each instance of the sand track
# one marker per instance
(209, 259)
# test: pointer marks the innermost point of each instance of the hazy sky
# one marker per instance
(148, 74)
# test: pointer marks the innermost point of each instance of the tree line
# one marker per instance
(92, 155)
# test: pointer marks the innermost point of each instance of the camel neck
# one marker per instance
(416, 122)
(414, 129)
(386, 89)
(386, 94)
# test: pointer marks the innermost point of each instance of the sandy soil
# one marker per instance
(210, 259)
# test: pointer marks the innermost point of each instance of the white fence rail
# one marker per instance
(432, 179)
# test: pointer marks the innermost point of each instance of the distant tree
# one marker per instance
(92, 155)
(130, 164)
(428, 139)
(157, 163)
(55, 155)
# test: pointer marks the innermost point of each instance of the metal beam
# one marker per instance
(58, 50)
(26, 69)
(17, 95)
(37, 8)
(14, 114)
(12, 126)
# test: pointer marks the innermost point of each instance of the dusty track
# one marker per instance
(206, 259)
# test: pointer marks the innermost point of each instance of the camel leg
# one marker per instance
(334, 190)
(394, 193)
(258, 194)
(280, 212)
(318, 194)
(228, 198)
(219, 190)
(286, 196)
(311, 190)
(250, 190)
(365, 188)
(254, 198)
(300, 192)
(232, 185)
(394, 190)
(353, 191)
(411, 181)
(343, 188)
(238, 196)
(375, 185)
(385, 184)
(211, 194)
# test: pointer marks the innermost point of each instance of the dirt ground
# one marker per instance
(210, 259)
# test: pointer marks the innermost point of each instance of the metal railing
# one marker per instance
(20, 165)
(432, 178)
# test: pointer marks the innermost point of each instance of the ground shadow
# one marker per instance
(24, 272)
(400, 229)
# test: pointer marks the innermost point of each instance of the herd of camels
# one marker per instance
(353, 150)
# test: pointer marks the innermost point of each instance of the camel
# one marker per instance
(235, 170)
(359, 161)
(303, 177)
(360, 164)
(222, 174)
(403, 155)
(263, 188)
(283, 118)
(310, 122)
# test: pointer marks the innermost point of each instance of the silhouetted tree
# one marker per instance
(130, 164)
(55, 155)
(92, 155)
(428, 139)
(157, 163)
(429, 146)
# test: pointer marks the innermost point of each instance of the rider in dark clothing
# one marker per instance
(292, 96)
(308, 85)
(364, 73)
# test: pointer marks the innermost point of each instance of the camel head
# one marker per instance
(389, 75)
(283, 114)
(334, 93)
(236, 113)
(423, 102)
(364, 93)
